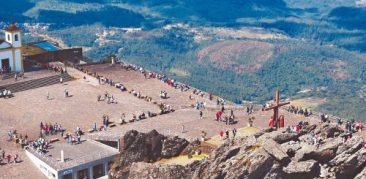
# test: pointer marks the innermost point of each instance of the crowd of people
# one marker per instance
(51, 129)
(56, 68)
(299, 110)
(7, 158)
(40, 145)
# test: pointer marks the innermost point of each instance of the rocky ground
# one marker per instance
(266, 154)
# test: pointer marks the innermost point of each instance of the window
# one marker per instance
(16, 37)
(8, 37)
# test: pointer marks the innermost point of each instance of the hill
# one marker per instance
(239, 49)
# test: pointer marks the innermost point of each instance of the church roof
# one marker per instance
(12, 27)
(4, 44)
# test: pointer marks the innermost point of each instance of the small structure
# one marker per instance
(90, 159)
(275, 107)
(44, 52)
(10, 50)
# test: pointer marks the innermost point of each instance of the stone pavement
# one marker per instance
(27, 109)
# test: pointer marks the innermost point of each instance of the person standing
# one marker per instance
(201, 115)
(222, 134)
(234, 133)
(8, 158)
(16, 158)
(79, 138)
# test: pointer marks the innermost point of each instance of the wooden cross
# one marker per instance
(275, 107)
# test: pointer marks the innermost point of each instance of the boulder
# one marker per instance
(361, 175)
(275, 172)
(291, 147)
(323, 154)
(275, 150)
(146, 170)
(140, 147)
(281, 138)
(332, 131)
(258, 164)
(173, 146)
(329, 130)
(236, 162)
(302, 169)
(354, 164)
(350, 146)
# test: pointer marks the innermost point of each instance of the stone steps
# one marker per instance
(36, 83)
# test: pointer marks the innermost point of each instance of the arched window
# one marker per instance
(8, 37)
(16, 37)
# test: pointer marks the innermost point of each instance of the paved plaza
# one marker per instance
(26, 110)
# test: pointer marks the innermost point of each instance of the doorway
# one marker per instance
(5, 64)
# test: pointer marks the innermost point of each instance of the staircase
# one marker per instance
(36, 83)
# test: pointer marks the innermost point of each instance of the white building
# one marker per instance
(10, 50)
(90, 159)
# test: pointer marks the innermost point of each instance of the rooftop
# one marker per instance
(75, 155)
(48, 46)
(4, 44)
(12, 27)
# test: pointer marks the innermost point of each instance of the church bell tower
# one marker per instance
(13, 36)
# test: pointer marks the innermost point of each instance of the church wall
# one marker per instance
(5, 55)
(18, 60)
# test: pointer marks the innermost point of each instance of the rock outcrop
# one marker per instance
(147, 147)
(267, 154)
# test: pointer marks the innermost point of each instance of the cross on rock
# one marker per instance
(275, 108)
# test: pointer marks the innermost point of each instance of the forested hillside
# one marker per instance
(239, 49)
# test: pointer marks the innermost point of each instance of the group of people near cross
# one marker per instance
(296, 128)
(299, 110)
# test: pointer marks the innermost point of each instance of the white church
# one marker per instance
(10, 50)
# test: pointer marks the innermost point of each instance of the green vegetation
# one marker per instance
(324, 49)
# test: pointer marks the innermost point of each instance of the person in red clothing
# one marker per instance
(217, 116)
(222, 134)
(8, 158)
(282, 121)
(271, 122)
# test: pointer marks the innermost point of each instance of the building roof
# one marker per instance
(75, 155)
(47, 46)
(12, 27)
(4, 44)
